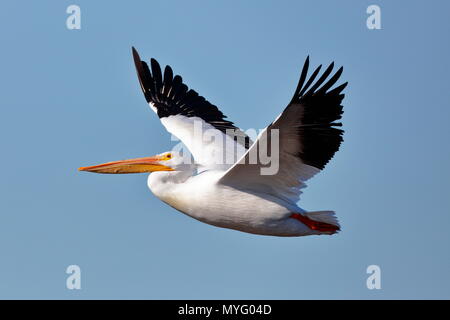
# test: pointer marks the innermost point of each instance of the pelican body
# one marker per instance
(202, 197)
(241, 194)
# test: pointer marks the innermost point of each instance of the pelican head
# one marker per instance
(166, 161)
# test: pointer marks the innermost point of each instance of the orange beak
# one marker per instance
(138, 165)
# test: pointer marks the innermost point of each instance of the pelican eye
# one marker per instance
(168, 156)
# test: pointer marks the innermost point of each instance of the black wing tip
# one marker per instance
(305, 66)
(143, 73)
(156, 69)
(137, 62)
(136, 57)
(167, 70)
(320, 101)
(303, 88)
(154, 61)
(172, 96)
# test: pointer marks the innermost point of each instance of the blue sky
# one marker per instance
(71, 98)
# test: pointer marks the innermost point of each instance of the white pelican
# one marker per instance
(239, 195)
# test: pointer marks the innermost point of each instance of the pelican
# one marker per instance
(229, 183)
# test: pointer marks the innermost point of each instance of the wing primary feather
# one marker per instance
(156, 72)
(144, 76)
(331, 82)
(310, 80)
(151, 93)
(338, 89)
(302, 79)
(167, 83)
(321, 79)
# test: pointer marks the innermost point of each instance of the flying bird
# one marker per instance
(238, 194)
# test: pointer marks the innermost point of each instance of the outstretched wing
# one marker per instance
(213, 141)
(308, 137)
